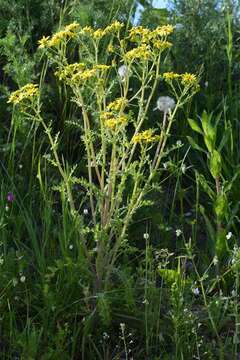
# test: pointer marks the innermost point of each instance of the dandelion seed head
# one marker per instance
(165, 104)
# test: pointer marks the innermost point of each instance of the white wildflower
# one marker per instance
(178, 232)
(215, 260)
(165, 103)
(70, 247)
(183, 168)
(229, 235)
(179, 143)
(85, 211)
(196, 291)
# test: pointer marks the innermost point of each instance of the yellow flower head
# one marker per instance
(114, 27)
(141, 52)
(189, 79)
(170, 76)
(69, 71)
(112, 123)
(139, 33)
(43, 43)
(146, 136)
(26, 92)
(163, 31)
(102, 67)
(162, 44)
(72, 27)
(117, 104)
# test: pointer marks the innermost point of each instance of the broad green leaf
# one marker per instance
(195, 145)
(220, 206)
(195, 126)
(215, 164)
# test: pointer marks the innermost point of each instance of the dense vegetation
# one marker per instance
(120, 180)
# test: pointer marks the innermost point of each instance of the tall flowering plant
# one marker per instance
(122, 155)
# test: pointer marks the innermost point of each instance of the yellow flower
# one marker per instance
(189, 79)
(117, 104)
(169, 76)
(162, 44)
(146, 136)
(102, 67)
(115, 26)
(69, 71)
(83, 76)
(112, 123)
(72, 27)
(43, 42)
(87, 30)
(138, 33)
(163, 31)
(141, 52)
(26, 92)
(99, 33)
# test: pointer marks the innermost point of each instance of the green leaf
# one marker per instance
(195, 145)
(215, 164)
(220, 206)
(170, 276)
(203, 182)
(195, 126)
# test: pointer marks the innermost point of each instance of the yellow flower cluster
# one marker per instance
(161, 44)
(102, 67)
(141, 52)
(139, 33)
(143, 35)
(99, 33)
(163, 31)
(77, 72)
(170, 76)
(186, 79)
(146, 136)
(112, 123)
(67, 33)
(26, 92)
(117, 104)
(69, 71)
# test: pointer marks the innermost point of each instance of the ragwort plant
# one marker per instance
(122, 155)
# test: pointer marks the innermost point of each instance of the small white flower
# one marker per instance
(165, 165)
(22, 279)
(146, 236)
(196, 291)
(7, 208)
(183, 168)
(179, 143)
(20, 166)
(206, 84)
(122, 72)
(85, 211)
(145, 301)
(229, 235)
(165, 103)
(178, 232)
(215, 260)
(70, 247)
